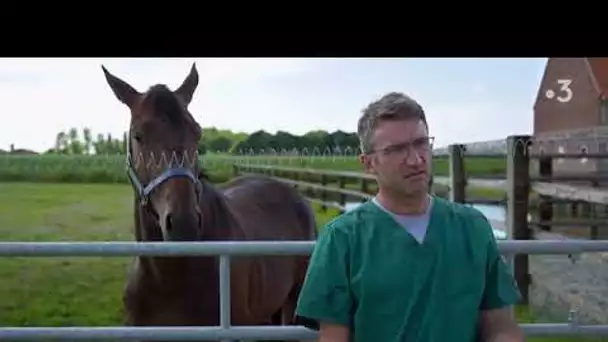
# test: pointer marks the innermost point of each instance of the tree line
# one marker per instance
(81, 142)
(214, 140)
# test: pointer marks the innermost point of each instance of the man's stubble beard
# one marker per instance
(403, 191)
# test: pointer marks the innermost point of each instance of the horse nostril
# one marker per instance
(168, 222)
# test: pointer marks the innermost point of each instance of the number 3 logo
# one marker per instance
(565, 87)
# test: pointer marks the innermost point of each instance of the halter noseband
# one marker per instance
(144, 191)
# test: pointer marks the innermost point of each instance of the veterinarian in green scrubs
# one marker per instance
(406, 266)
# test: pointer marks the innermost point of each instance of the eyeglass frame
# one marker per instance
(391, 150)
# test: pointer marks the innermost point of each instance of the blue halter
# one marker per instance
(144, 191)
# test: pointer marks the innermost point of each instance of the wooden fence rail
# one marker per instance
(335, 188)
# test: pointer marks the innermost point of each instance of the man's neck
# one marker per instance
(415, 205)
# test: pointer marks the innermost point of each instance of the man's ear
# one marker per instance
(366, 161)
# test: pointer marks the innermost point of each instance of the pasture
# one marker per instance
(76, 291)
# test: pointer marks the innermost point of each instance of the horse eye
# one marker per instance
(137, 137)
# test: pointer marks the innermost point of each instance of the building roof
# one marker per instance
(599, 73)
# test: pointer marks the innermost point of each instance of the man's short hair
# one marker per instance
(392, 106)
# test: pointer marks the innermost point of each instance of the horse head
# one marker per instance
(162, 156)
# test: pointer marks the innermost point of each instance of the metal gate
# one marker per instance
(225, 250)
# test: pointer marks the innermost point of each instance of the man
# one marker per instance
(407, 265)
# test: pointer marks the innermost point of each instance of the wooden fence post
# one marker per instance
(342, 185)
(593, 211)
(518, 187)
(324, 193)
(364, 187)
(545, 206)
(458, 180)
(296, 177)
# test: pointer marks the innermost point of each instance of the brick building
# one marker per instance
(571, 112)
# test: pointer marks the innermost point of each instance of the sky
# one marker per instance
(466, 100)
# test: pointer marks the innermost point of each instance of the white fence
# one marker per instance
(225, 250)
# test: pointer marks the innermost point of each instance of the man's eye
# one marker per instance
(394, 148)
(419, 142)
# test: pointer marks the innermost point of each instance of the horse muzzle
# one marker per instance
(181, 226)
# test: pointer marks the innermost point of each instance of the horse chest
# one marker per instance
(192, 302)
(262, 285)
(175, 309)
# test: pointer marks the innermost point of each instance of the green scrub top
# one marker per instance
(369, 273)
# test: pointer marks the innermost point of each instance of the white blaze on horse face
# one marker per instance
(163, 211)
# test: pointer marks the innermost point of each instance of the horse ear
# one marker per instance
(122, 90)
(186, 90)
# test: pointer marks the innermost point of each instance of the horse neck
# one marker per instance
(218, 223)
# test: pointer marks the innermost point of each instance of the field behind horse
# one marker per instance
(70, 291)
(110, 168)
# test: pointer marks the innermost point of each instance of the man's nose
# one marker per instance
(413, 156)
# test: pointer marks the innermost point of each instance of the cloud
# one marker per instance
(479, 88)
(44, 96)
(476, 121)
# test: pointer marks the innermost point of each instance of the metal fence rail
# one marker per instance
(225, 250)
(240, 248)
(233, 333)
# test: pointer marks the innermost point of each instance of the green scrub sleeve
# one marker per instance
(325, 295)
(501, 289)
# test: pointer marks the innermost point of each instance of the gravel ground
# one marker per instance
(559, 285)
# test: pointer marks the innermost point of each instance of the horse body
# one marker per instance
(268, 210)
(180, 204)
(185, 290)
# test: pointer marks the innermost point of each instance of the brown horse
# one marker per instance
(174, 201)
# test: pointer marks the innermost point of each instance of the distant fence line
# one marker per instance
(518, 187)
(294, 156)
(261, 157)
(152, 160)
(594, 139)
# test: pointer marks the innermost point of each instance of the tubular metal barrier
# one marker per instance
(225, 250)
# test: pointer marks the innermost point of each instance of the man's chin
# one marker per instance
(416, 187)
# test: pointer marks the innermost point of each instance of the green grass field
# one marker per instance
(110, 169)
(75, 291)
